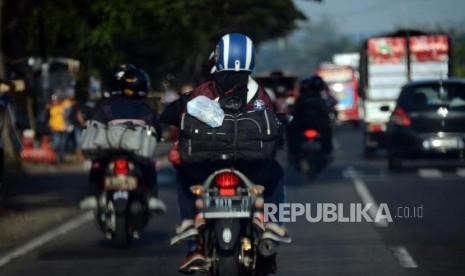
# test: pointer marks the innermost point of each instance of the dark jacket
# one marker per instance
(311, 112)
(120, 107)
(172, 113)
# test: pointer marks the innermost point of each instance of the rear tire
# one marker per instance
(228, 263)
(308, 168)
(122, 238)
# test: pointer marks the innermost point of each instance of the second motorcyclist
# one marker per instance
(130, 86)
(313, 110)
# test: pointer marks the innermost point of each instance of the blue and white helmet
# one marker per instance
(235, 52)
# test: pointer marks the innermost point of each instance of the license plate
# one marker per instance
(447, 143)
(127, 183)
(311, 145)
(230, 207)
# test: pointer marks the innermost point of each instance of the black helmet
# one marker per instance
(135, 83)
(313, 85)
(116, 75)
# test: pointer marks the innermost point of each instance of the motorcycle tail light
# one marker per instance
(121, 167)
(311, 133)
(400, 117)
(376, 128)
(227, 180)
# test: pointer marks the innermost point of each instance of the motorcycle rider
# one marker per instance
(234, 61)
(130, 86)
(312, 109)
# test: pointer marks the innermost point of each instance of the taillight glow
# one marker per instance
(311, 133)
(227, 180)
(227, 192)
(400, 117)
(376, 127)
(121, 167)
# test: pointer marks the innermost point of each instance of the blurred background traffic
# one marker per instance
(58, 54)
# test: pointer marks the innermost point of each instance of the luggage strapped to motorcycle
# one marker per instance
(130, 135)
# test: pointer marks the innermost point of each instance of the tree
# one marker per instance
(163, 36)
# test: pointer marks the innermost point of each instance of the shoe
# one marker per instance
(185, 231)
(276, 233)
(199, 221)
(89, 202)
(157, 205)
(258, 221)
(194, 261)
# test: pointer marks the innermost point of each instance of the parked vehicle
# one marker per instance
(427, 121)
(233, 244)
(122, 212)
(386, 63)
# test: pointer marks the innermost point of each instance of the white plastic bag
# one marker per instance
(206, 110)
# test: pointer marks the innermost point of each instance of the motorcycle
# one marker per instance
(312, 158)
(232, 243)
(122, 210)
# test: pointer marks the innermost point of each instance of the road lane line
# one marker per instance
(337, 146)
(461, 172)
(45, 238)
(405, 259)
(429, 173)
(366, 197)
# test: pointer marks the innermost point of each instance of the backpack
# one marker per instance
(251, 135)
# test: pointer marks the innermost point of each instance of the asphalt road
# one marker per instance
(425, 236)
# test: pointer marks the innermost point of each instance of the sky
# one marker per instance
(368, 17)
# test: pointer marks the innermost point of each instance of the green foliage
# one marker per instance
(162, 36)
(458, 55)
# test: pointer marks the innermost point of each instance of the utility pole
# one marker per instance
(404, 14)
(2, 69)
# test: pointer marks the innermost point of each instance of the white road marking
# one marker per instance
(337, 146)
(366, 197)
(45, 238)
(404, 258)
(429, 173)
(461, 172)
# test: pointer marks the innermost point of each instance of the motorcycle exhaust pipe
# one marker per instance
(267, 247)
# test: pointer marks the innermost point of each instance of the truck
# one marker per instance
(342, 82)
(389, 61)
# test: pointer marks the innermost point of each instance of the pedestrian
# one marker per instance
(7, 120)
(57, 125)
